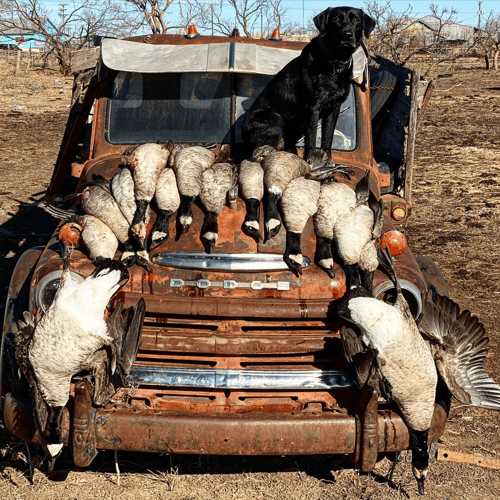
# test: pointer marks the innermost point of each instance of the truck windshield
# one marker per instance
(195, 107)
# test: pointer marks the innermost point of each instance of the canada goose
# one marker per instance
(97, 237)
(251, 181)
(280, 168)
(122, 189)
(97, 200)
(404, 359)
(168, 201)
(72, 337)
(189, 165)
(298, 203)
(145, 162)
(357, 232)
(216, 182)
(394, 353)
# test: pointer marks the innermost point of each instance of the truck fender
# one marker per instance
(17, 303)
(433, 276)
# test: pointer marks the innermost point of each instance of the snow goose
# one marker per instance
(216, 182)
(298, 203)
(189, 165)
(73, 336)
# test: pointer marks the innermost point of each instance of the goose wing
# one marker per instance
(459, 344)
(111, 365)
(23, 338)
(362, 362)
(377, 207)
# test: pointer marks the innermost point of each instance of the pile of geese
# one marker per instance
(385, 347)
(118, 210)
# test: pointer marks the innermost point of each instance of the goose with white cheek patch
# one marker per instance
(217, 181)
(97, 237)
(145, 163)
(122, 188)
(168, 200)
(97, 200)
(403, 360)
(298, 203)
(72, 337)
(189, 165)
(280, 168)
(251, 181)
(356, 231)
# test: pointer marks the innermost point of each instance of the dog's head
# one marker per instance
(342, 28)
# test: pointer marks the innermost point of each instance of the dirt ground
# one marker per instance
(455, 221)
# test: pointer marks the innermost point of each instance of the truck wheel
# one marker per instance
(382, 84)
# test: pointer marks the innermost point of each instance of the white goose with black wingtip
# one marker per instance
(73, 336)
(404, 360)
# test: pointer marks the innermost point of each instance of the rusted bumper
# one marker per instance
(86, 429)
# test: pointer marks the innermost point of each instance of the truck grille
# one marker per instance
(243, 353)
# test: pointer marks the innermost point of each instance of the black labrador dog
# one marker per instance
(310, 87)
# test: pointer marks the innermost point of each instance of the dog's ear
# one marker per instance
(368, 24)
(321, 20)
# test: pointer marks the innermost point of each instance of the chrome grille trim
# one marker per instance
(237, 262)
(241, 379)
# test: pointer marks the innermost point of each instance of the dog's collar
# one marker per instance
(328, 53)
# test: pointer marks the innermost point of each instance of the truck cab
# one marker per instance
(238, 355)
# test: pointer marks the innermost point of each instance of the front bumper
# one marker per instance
(363, 435)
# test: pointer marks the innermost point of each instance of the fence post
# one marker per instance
(18, 62)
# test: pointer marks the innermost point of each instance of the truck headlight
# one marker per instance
(47, 288)
(387, 292)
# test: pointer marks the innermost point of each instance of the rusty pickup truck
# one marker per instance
(238, 356)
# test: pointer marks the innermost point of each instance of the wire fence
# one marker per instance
(23, 60)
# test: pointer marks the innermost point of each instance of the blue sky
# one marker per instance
(467, 10)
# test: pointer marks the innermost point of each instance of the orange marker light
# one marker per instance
(276, 35)
(192, 32)
(71, 233)
(394, 240)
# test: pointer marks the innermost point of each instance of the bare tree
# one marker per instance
(154, 13)
(399, 36)
(487, 39)
(251, 17)
(68, 29)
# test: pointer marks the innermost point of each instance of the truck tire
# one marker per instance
(382, 84)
